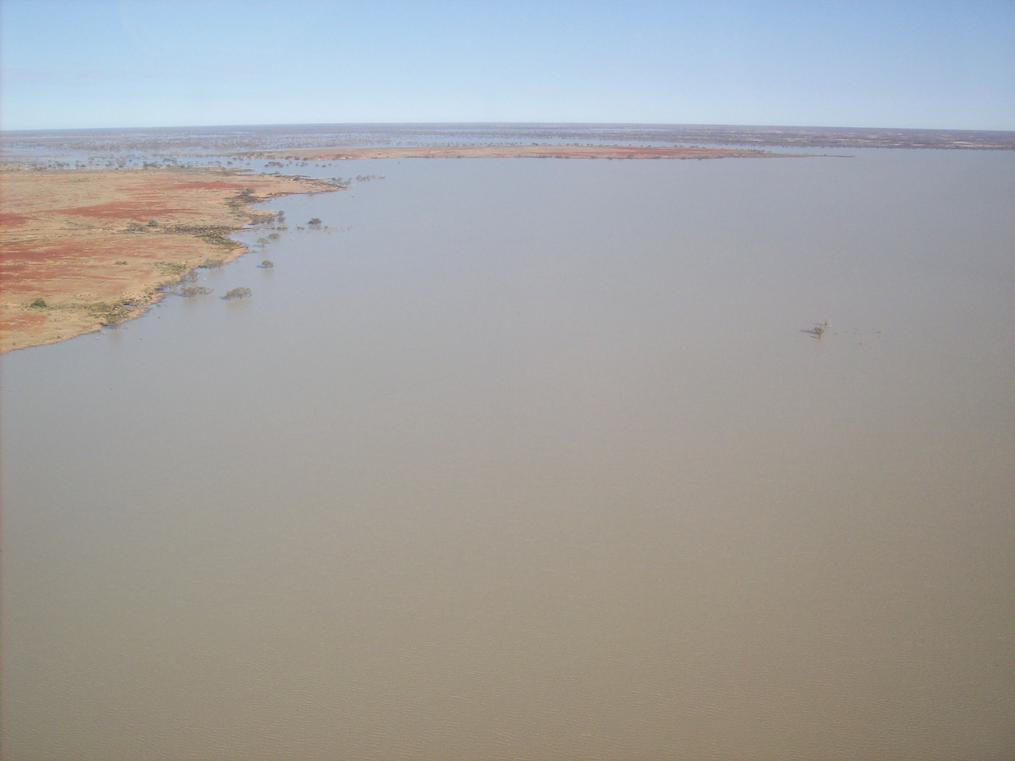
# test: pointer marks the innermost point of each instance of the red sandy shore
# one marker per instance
(83, 249)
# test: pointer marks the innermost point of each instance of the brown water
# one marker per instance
(531, 460)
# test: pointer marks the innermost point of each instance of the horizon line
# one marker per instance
(501, 123)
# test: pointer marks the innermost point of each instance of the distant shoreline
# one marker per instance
(510, 152)
(227, 138)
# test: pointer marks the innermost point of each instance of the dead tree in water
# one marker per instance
(817, 331)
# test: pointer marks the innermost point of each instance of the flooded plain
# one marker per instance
(534, 459)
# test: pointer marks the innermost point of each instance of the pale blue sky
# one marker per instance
(124, 63)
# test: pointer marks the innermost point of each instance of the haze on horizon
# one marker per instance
(129, 63)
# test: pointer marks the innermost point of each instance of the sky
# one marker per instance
(147, 63)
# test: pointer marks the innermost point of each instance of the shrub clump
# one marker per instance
(112, 314)
(237, 293)
(314, 224)
(39, 303)
(267, 264)
(171, 268)
(215, 234)
(189, 291)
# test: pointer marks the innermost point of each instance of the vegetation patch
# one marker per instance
(112, 314)
(215, 234)
(170, 268)
(243, 199)
(237, 293)
(39, 303)
(267, 264)
(190, 291)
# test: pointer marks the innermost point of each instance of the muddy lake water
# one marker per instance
(533, 459)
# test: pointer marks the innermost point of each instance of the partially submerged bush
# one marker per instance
(189, 291)
(314, 223)
(267, 264)
(210, 264)
(237, 293)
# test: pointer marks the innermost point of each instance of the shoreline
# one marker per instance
(85, 249)
(608, 152)
(88, 249)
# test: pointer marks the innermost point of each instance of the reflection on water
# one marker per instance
(531, 460)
